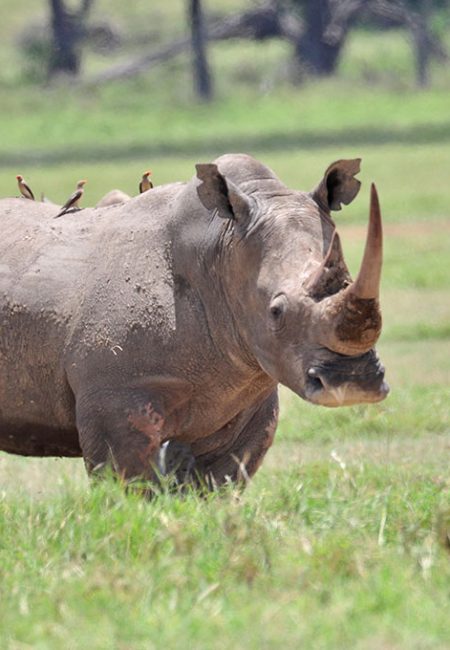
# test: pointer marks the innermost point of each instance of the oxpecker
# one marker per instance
(73, 200)
(145, 183)
(24, 188)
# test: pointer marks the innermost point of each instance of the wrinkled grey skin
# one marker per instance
(159, 320)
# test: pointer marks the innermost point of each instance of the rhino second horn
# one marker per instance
(367, 284)
(313, 286)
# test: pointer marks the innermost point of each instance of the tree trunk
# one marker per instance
(421, 56)
(421, 39)
(312, 52)
(202, 77)
(64, 57)
(416, 19)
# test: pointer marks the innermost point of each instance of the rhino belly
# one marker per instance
(27, 439)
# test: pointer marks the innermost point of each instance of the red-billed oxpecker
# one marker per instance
(24, 188)
(73, 200)
(145, 183)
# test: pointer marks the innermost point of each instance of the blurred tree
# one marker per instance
(317, 30)
(326, 25)
(202, 76)
(416, 16)
(67, 30)
(258, 23)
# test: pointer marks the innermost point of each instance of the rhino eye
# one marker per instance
(277, 310)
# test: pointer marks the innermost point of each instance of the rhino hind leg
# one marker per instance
(122, 433)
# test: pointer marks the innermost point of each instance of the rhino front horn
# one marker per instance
(350, 320)
(367, 284)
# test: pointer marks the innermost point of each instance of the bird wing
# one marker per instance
(73, 198)
(28, 189)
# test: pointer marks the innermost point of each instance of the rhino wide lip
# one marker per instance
(344, 394)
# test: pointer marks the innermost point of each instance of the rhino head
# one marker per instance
(302, 317)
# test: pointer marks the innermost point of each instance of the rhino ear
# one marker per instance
(217, 193)
(338, 184)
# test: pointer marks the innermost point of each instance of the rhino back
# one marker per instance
(71, 284)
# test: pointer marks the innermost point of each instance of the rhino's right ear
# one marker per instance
(218, 193)
(338, 185)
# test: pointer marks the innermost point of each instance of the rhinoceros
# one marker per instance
(167, 322)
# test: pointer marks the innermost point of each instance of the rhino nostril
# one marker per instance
(314, 380)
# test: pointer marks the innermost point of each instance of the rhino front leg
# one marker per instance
(121, 431)
(241, 445)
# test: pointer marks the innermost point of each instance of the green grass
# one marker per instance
(414, 258)
(130, 117)
(311, 557)
(410, 412)
(341, 539)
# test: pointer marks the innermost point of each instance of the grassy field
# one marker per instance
(342, 539)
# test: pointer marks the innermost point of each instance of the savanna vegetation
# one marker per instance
(342, 540)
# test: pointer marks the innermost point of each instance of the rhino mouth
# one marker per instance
(346, 380)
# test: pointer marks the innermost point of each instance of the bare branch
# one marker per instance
(85, 8)
(342, 14)
(263, 22)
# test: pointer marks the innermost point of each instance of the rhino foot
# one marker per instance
(177, 460)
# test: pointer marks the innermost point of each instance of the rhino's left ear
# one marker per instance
(338, 184)
(218, 193)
